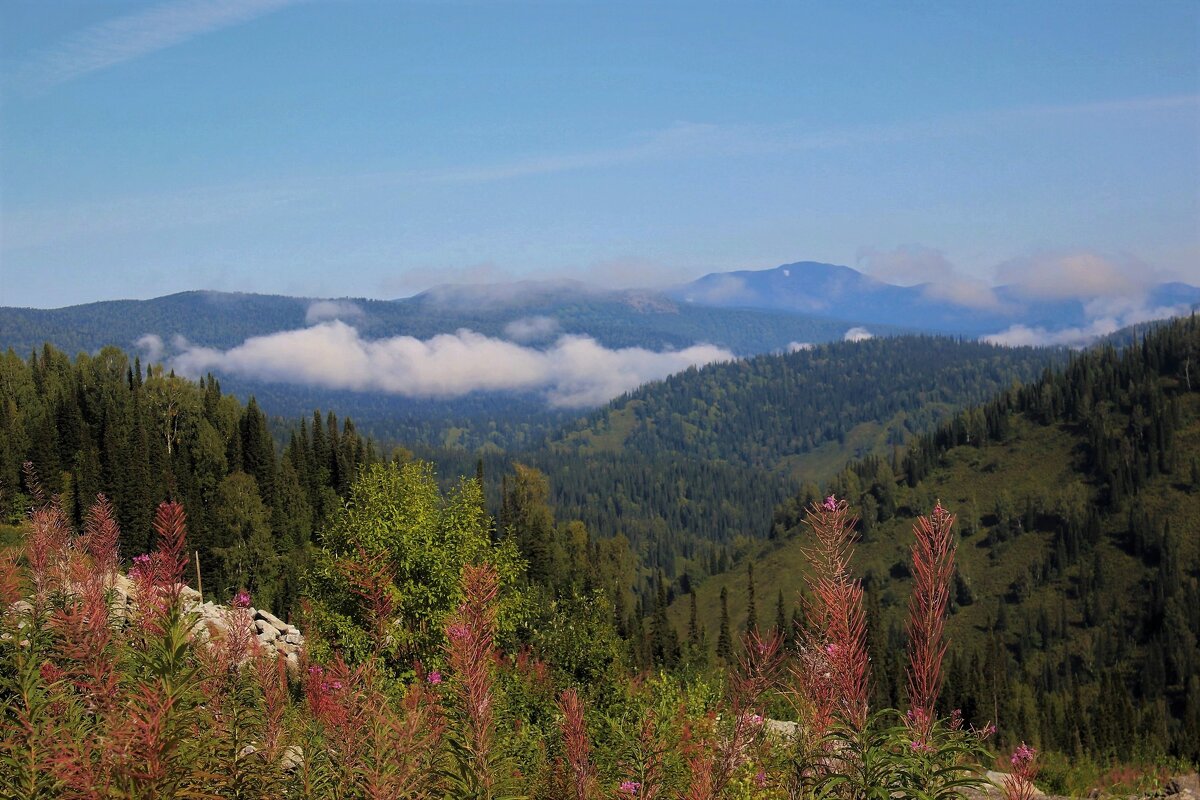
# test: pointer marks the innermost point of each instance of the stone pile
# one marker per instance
(275, 635)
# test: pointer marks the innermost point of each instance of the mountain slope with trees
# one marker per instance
(1077, 601)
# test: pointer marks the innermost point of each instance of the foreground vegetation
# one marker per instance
(424, 678)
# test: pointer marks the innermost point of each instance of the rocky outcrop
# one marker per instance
(275, 635)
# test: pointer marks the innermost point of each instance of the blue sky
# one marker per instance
(375, 149)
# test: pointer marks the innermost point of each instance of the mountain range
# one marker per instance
(828, 291)
(747, 311)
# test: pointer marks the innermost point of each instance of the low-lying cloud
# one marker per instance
(531, 329)
(151, 346)
(911, 265)
(576, 371)
(857, 334)
(1080, 336)
(1082, 275)
(323, 310)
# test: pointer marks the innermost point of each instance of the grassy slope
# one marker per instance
(1036, 459)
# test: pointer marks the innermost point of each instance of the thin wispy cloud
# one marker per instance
(135, 35)
(216, 204)
(696, 139)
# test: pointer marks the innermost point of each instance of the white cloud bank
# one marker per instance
(1025, 336)
(857, 334)
(1112, 288)
(531, 329)
(323, 310)
(576, 371)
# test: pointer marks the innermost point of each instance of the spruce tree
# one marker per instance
(724, 640)
(780, 617)
(693, 625)
(751, 609)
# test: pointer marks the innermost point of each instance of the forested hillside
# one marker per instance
(260, 486)
(101, 424)
(689, 468)
(1076, 612)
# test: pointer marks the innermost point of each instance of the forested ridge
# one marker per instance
(1077, 599)
(261, 485)
(761, 411)
(225, 319)
(103, 424)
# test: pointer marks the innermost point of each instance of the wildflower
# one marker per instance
(630, 788)
(760, 779)
(434, 677)
(141, 564)
(831, 503)
(241, 600)
(1023, 755)
(920, 746)
(956, 719)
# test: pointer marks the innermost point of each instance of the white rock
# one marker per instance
(292, 758)
(266, 631)
(279, 624)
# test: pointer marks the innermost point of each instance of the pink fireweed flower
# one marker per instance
(241, 600)
(1023, 755)
(434, 677)
(760, 779)
(140, 566)
(630, 787)
(831, 503)
(985, 732)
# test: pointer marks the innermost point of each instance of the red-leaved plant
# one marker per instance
(933, 569)
(834, 677)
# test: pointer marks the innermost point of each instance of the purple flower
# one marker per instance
(141, 565)
(630, 787)
(1023, 755)
(760, 779)
(831, 503)
(434, 677)
(241, 600)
